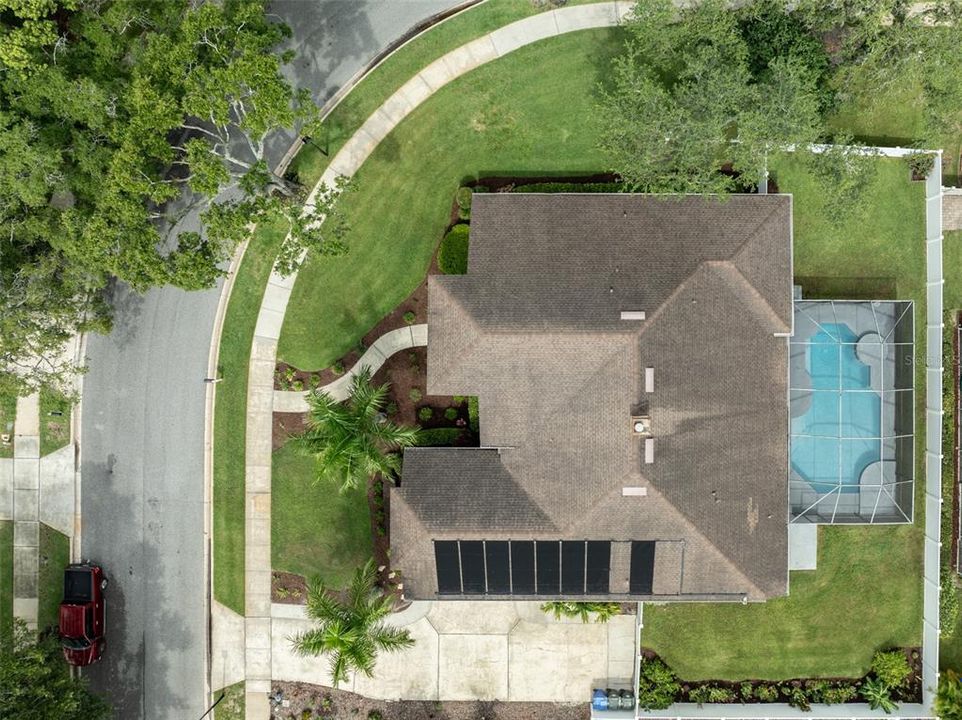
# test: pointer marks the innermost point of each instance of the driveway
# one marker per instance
(142, 428)
(477, 651)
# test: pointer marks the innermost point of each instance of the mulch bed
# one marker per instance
(288, 588)
(284, 425)
(302, 701)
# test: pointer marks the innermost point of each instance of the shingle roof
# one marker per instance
(534, 330)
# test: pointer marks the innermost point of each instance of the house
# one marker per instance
(630, 354)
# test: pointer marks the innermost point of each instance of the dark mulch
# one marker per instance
(288, 588)
(323, 702)
(285, 425)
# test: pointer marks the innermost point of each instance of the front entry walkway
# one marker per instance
(495, 650)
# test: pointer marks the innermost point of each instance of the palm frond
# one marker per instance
(391, 639)
(309, 642)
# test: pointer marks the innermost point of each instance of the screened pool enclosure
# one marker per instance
(851, 385)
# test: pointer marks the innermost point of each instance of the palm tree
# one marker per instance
(351, 631)
(352, 441)
(603, 611)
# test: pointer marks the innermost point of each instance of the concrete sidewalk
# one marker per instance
(391, 342)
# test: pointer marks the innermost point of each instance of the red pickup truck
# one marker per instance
(83, 613)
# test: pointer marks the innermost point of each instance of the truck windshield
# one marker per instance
(77, 586)
(74, 643)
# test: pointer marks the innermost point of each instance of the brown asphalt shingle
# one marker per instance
(534, 330)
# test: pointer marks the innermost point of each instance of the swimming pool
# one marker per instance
(837, 437)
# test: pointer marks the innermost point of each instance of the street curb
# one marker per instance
(76, 544)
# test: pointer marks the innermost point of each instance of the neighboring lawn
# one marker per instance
(230, 415)
(6, 579)
(867, 591)
(8, 414)
(316, 530)
(500, 119)
(232, 706)
(55, 412)
(54, 557)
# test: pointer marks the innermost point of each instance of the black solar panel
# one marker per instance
(449, 573)
(472, 566)
(496, 552)
(573, 567)
(599, 566)
(548, 567)
(642, 567)
(522, 567)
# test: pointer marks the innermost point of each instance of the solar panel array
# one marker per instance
(523, 567)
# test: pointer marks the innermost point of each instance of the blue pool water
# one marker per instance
(837, 437)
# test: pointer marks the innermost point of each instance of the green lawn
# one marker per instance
(8, 414)
(230, 415)
(867, 591)
(232, 706)
(6, 579)
(499, 119)
(54, 557)
(55, 411)
(315, 530)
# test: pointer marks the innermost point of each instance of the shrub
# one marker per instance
(409, 318)
(374, 715)
(891, 667)
(598, 611)
(700, 694)
(816, 689)
(720, 694)
(948, 696)
(297, 385)
(798, 698)
(453, 253)
(658, 687)
(839, 694)
(451, 413)
(415, 395)
(425, 414)
(438, 437)
(459, 399)
(920, 163)
(338, 368)
(746, 690)
(948, 602)
(391, 409)
(766, 693)
(315, 381)
(563, 187)
(877, 695)
(360, 347)
(474, 419)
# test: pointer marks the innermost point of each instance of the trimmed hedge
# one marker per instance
(439, 437)
(560, 187)
(453, 253)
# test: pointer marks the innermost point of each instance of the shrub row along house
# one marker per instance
(641, 428)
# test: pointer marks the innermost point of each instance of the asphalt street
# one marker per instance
(142, 428)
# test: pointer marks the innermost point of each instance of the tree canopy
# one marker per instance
(117, 118)
(35, 683)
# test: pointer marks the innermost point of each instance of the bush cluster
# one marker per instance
(425, 414)
(567, 187)
(474, 420)
(439, 437)
(463, 199)
(948, 602)
(658, 687)
(453, 253)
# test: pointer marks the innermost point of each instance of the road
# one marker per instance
(142, 428)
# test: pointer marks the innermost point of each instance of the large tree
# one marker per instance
(35, 683)
(691, 94)
(117, 118)
(353, 440)
(351, 632)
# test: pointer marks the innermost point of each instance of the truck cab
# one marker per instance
(83, 613)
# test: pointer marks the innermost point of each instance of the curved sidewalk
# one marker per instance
(260, 390)
(391, 342)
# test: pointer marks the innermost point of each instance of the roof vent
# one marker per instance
(641, 425)
(632, 314)
(634, 491)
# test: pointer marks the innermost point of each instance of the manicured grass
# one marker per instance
(867, 591)
(6, 579)
(54, 557)
(8, 414)
(55, 410)
(232, 706)
(499, 119)
(230, 423)
(865, 595)
(316, 531)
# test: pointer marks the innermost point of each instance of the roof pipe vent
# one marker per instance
(632, 314)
